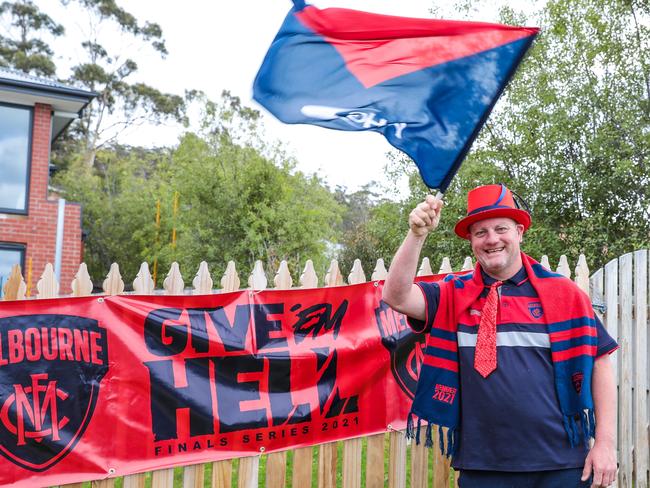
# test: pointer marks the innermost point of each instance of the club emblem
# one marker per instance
(51, 367)
(535, 309)
(576, 379)
(405, 347)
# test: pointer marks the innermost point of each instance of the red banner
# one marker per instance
(99, 387)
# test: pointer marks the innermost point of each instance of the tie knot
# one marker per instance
(496, 284)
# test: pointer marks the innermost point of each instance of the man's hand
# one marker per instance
(425, 217)
(601, 460)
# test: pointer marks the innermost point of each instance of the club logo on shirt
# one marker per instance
(576, 379)
(535, 309)
(445, 394)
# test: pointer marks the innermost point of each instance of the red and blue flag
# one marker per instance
(427, 85)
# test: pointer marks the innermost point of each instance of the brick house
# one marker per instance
(36, 226)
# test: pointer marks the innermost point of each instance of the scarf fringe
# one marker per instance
(413, 433)
(429, 439)
(588, 421)
(409, 426)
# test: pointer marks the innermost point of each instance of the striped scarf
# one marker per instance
(571, 326)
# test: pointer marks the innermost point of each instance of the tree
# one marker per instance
(223, 193)
(120, 103)
(26, 50)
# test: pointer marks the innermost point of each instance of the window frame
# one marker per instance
(30, 140)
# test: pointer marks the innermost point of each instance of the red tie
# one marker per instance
(485, 355)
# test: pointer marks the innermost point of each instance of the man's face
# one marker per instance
(495, 243)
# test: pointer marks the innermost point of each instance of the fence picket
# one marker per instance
(108, 483)
(352, 448)
(309, 278)
(380, 271)
(626, 438)
(113, 284)
(193, 476)
(333, 276)
(303, 457)
(47, 286)
(222, 474)
(563, 267)
(445, 266)
(375, 461)
(82, 285)
(544, 262)
(173, 284)
(14, 288)
(419, 465)
(202, 282)
(640, 398)
(143, 282)
(441, 465)
(327, 458)
(302, 462)
(425, 268)
(162, 478)
(397, 460)
(276, 462)
(257, 279)
(230, 280)
(582, 274)
(468, 265)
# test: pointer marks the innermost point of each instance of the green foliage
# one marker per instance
(235, 201)
(24, 48)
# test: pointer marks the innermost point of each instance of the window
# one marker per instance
(15, 136)
(10, 255)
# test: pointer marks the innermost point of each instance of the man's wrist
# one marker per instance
(420, 237)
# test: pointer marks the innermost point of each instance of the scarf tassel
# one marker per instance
(429, 440)
(452, 441)
(417, 432)
(409, 426)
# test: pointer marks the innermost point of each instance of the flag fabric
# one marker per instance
(427, 85)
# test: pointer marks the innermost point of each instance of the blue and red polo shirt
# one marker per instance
(511, 420)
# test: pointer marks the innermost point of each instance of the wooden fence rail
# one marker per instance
(619, 292)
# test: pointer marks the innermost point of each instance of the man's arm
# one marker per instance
(602, 456)
(399, 291)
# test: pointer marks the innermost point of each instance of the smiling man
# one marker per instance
(519, 347)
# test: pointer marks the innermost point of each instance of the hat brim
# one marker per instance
(520, 216)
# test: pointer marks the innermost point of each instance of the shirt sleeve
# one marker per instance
(606, 344)
(431, 293)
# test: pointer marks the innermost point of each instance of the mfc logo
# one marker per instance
(366, 118)
(36, 406)
(51, 367)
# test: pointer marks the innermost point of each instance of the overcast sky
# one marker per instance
(217, 45)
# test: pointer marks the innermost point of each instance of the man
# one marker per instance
(516, 365)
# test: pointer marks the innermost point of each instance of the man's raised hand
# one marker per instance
(425, 217)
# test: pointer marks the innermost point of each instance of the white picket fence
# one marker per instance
(619, 291)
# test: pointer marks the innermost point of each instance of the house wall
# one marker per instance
(37, 229)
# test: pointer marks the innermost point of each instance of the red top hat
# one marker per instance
(488, 202)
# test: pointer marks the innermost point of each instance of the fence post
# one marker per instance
(276, 462)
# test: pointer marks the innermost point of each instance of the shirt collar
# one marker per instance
(516, 280)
